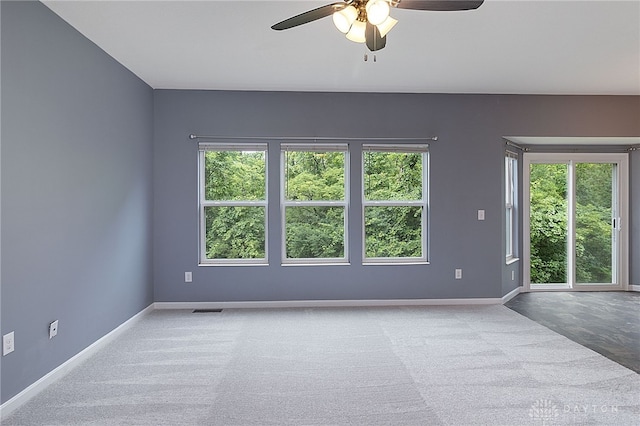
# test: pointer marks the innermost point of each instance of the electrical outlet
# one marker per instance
(8, 341)
(188, 277)
(53, 329)
(480, 214)
(513, 275)
(458, 274)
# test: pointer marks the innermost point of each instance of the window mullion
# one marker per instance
(312, 203)
(392, 203)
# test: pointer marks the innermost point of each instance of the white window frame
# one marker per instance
(511, 205)
(423, 203)
(203, 203)
(284, 203)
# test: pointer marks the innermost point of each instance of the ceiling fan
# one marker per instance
(368, 21)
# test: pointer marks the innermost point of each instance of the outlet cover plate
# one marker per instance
(8, 343)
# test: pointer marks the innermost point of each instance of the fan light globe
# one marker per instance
(386, 26)
(377, 11)
(343, 19)
(357, 32)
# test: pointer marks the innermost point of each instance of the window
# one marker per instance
(233, 203)
(314, 188)
(313, 215)
(511, 198)
(395, 203)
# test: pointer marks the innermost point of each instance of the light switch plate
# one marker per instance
(480, 214)
(53, 329)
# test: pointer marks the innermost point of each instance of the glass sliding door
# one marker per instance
(575, 210)
(595, 229)
(549, 219)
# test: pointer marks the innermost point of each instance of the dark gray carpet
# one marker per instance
(361, 366)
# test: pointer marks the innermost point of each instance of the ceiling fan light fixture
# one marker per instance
(344, 19)
(368, 21)
(357, 32)
(386, 26)
(377, 11)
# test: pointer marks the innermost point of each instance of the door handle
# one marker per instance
(616, 223)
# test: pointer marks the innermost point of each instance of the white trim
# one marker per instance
(402, 148)
(232, 146)
(513, 293)
(583, 288)
(315, 147)
(379, 261)
(573, 140)
(634, 287)
(35, 388)
(325, 303)
(511, 206)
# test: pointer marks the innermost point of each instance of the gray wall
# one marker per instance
(634, 249)
(76, 192)
(466, 175)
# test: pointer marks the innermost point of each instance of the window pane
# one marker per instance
(548, 223)
(508, 179)
(235, 232)
(509, 232)
(315, 232)
(235, 175)
(392, 176)
(393, 231)
(314, 176)
(594, 233)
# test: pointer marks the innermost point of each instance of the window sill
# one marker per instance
(232, 264)
(512, 260)
(395, 263)
(316, 264)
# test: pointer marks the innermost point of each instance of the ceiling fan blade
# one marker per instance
(439, 5)
(309, 16)
(374, 40)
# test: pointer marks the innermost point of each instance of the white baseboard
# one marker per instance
(513, 293)
(633, 287)
(20, 399)
(324, 303)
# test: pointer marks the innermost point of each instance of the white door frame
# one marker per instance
(622, 261)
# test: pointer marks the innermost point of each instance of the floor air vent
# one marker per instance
(206, 311)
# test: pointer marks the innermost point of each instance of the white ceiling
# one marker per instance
(505, 46)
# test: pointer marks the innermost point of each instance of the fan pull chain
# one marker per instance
(366, 57)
